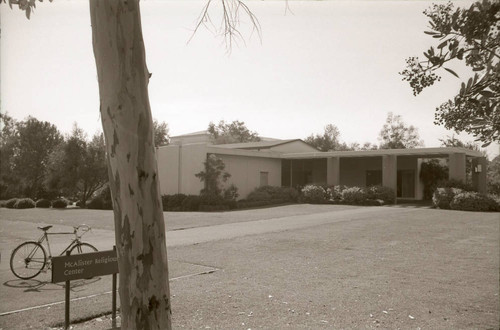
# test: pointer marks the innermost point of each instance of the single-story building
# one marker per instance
(295, 163)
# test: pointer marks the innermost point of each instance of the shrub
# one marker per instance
(473, 201)
(212, 202)
(372, 202)
(274, 194)
(164, 201)
(96, 203)
(101, 200)
(60, 203)
(10, 204)
(191, 203)
(385, 194)
(289, 194)
(99, 203)
(204, 202)
(354, 195)
(452, 183)
(24, 203)
(211, 199)
(314, 194)
(231, 193)
(442, 197)
(259, 195)
(43, 203)
(335, 192)
(174, 202)
(214, 208)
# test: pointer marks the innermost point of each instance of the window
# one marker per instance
(264, 179)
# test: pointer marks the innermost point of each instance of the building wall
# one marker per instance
(353, 170)
(245, 172)
(177, 166)
(168, 169)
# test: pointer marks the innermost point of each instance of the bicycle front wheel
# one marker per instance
(82, 248)
(28, 260)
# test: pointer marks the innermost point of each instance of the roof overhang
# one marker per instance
(420, 153)
(211, 149)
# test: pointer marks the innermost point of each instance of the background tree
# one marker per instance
(368, 146)
(330, 141)
(235, 132)
(395, 134)
(78, 167)
(470, 35)
(161, 133)
(452, 141)
(8, 140)
(327, 141)
(36, 140)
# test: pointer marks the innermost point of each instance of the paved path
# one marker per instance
(233, 230)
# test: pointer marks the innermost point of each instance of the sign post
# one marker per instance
(67, 287)
(83, 266)
(113, 299)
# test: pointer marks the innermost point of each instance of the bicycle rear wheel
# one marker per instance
(82, 248)
(28, 260)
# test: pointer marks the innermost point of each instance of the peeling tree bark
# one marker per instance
(127, 124)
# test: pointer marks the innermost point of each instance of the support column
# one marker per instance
(333, 171)
(390, 172)
(479, 168)
(456, 167)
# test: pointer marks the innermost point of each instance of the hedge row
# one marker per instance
(276, 195)
(262, 196)
(459, 199)
(340, 194)
(182, 202)
(28, 203)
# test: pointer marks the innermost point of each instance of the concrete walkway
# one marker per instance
(232, 230)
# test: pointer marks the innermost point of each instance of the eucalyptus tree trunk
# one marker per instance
(127, 124)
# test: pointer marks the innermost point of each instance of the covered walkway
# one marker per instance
(398, 169)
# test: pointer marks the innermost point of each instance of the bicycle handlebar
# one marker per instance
(84, 228)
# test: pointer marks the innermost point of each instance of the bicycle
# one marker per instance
(30, 258)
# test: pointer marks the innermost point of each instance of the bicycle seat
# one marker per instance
(45, 228)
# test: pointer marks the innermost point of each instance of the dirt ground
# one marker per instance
(420, 268)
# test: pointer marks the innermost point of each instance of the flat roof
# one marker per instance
(417, 152)
(191, 134)
(256, 145)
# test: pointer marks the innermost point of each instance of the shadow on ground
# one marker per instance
(40, 286)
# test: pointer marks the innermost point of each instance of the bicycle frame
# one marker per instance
(45, 237)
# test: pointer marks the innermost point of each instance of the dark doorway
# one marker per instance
(406, 184)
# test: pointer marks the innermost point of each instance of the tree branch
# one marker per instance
(228, 29)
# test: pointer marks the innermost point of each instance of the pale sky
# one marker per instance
(330, 62)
